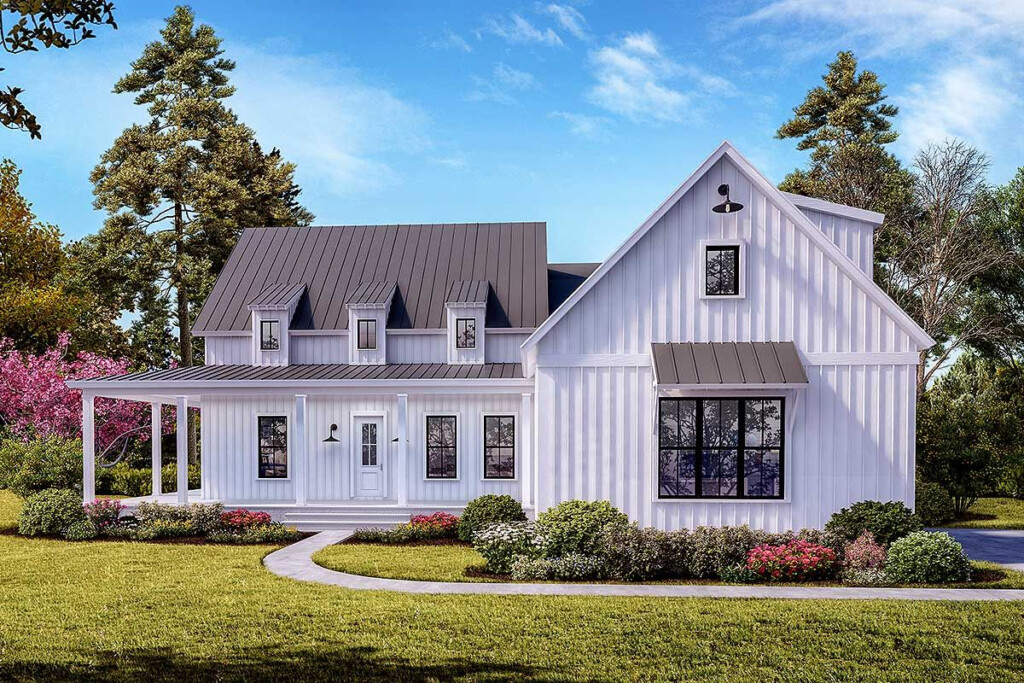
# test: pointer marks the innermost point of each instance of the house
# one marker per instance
(731, 362)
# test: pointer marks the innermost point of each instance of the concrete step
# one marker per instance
(331, 520)
(335, 526)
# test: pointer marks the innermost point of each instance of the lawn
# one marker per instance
(993, 513)
(130, 611)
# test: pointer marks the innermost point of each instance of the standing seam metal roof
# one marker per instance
(277, 294)
(339, 372)
(468, 292)
(372, 293)
(728, 363)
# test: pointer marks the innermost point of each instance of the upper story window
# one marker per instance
(270, 335)
(722, 270)
(442, 451)
(366, 331)
(272, 440)
(465, 333)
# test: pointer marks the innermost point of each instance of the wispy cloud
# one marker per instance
(450, 40)
(569, 19)
(584, 125)
(517, 31)
(502, 85)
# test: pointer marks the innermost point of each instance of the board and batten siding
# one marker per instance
(855, 238)
(852, 434)
(228, 350)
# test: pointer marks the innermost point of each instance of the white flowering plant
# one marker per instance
(501, 543)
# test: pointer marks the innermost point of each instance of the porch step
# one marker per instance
(308, 520)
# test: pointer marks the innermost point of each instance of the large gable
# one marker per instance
(337, 262)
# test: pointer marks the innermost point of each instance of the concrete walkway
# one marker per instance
(1003, 546)
(294, 561)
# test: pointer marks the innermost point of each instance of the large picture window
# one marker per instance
(722, 270)
(442, 451)
(720, 447)
(272, 437)
(270, 335)
(499, 447)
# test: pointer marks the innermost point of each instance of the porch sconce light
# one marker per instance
(331, 439)
(726, 206)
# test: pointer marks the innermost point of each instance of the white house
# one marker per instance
(731, 362)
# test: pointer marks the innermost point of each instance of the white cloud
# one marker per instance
(501, 86)
(583, 125)
(450, 40)
(455, 162)
(516, 30)
(570, 19)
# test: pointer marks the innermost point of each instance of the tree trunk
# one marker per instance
(184, 320)
(923, 355)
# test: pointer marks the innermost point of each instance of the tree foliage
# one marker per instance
(27, 25)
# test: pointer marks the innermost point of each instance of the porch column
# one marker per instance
(526, 448)
(182, 448)
(156, 447)
(299, 451)
(88, 450)
(402, 469)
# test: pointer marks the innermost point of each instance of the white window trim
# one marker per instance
(384, 447)
(271, 323)
(287, 415)
(376, 335)
(702, 269)
(518, 447)
(457, 321)
(458, 447)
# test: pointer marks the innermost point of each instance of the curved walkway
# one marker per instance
(295, 562)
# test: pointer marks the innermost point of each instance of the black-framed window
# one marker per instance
(442, 448)
(270, 335)
(366, 334)
(272, 439)
(722, 270)
(721, 447)
(465, 333)
(499, 447)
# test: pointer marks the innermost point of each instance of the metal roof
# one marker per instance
(728, 363)
(423, 260)
(334, 372)
(277, 294)
(372, 293)
(468, 292)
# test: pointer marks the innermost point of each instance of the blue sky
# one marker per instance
(582, 114)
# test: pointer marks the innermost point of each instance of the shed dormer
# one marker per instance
(272, 311)
(368, 309)
(466, 310)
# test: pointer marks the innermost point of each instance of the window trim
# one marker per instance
(465, 320)
(740, 451)
(270, 324)
(741, 265)
(515, 446)
(359, 333)
(288, 444)
(426, 448)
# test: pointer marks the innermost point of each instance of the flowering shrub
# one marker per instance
(864, 553)
(500, 544)
(793, 561)
(436, 525)
(577, 567)
(243, 519)
(82, 530)
(525, 568)
(866, 577)
(488, 509)
(927, 557)
(103, 513)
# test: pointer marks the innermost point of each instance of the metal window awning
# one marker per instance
(728, 365)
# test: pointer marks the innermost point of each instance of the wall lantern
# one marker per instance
(726, 206)
(331, 439)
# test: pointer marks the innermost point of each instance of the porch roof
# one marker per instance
(714, 364)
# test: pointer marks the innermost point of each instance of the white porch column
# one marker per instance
(156, 447)
(182, 448)
(88, 450)
(299, 451)
(526, 448)
(402, 470)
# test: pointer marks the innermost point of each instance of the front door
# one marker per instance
(370, 454)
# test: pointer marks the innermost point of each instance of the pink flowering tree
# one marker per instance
(36, 403)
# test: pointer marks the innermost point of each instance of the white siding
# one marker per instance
(855, 238)
(418, 348)
(228, 350)
(309, 349)
(503, 347)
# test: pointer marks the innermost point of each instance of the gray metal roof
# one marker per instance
(277, 294)
(337, 372)
(728, 363)
(468, 292)
(372, 293)
(423, 259)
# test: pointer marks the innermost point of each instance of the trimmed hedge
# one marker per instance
(887, 522)
(50, 512)
(488, 509)
(927, 557)
(577, 526)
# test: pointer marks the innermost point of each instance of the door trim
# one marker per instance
(384, 449)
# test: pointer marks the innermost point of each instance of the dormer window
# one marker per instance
(721, 271)
(366, 331)
(270, 335)
(465, 333)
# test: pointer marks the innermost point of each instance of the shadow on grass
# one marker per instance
(340, 664)
(975, 517)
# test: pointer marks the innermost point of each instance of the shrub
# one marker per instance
(793, 561)
(124, 528)
(934, 504)
(738, 574)
(202, 518)
(167, 528)
(488, 509)
(500, 544)
(927, 557)
(82, 530)
(50, 512)
(32, 466)
(865, 577)
(576, 526)
(864, 553)
(242, 519)
(679, 547)
(274, 532)
(169, 477)
(634, 554)
(886, 521)
(526, 568)
(126, 480)
(103, 513)
(399, 534)
(205, 517)
(716, 548)
(147, 512)
(577, 567)
(436, 525)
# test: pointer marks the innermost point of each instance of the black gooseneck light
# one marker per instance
(727, 206)
(331, 439)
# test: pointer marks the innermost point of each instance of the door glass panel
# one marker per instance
(369, 444)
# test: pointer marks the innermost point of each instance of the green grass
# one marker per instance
(993, 513)
(135, 611)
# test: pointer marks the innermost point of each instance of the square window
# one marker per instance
(722, 270)
(366, 335)
(465, 333)
(270, 339)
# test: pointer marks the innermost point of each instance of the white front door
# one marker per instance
(371, 452)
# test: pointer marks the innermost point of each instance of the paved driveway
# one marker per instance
(993, 545)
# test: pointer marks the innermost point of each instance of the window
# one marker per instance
(272, 436)
(720, 447)
(368, 440)
(499, 447)
(465, 333)
(366, 331)
(442, 455)
(722, 270)
(270, 339)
